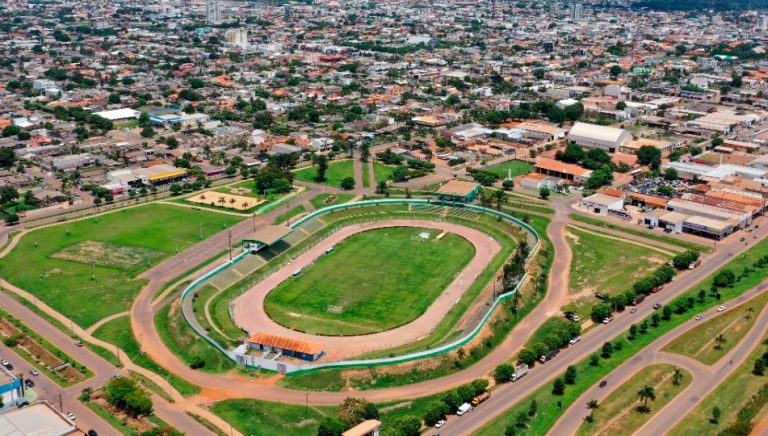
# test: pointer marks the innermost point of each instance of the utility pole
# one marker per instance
(61, 404)
(201, 231)
(229, 248)
(306, 409)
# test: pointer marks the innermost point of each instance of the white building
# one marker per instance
(606, 138)
(601, 203)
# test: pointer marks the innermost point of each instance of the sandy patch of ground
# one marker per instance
(228, 201)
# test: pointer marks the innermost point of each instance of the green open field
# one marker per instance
(119, 332)
(337, 171)
(54, 263)
(380, 279)
(617, 414)
(185, 343)
(324, 200)
(637, 232)
(606, 265)
(730, 397)
(381, 172)
(517, 167)
(733, 324)
(283, 217)
(254, 417)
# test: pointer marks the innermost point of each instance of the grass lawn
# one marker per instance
(656, 237)
(382, 172)
(298, 210)
(699, 343)
(254, 417)
(185, 343)
(548, 327)
(380, 278)
(337, 171)
(617, 413)
(730, 396)
(119, 332)
(589, 375)
(324, 200)
(54, 263)
(517, 167)
(606, 265)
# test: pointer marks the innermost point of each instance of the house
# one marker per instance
(561, 170)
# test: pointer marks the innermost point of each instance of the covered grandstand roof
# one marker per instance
(284, 343)
(271, 234)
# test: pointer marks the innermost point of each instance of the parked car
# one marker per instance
(657, 306)
(34, 372)
(71, 416)
(721, 308)
(698, 317)
(440, 423)
(603, 383)
(607, 320)
(575, 340)
(633, 310)
(78, 344)
(92, 432)
(7, 364)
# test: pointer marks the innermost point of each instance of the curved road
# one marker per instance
(706, 378)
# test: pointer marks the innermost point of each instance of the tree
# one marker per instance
(407, 425)
(715, 415)
(138, 402)
(632, 331)
(527, 356)
(592, 405)
(616, 70)
(670, 174)
(435, 412)
(544, 193)
(508, 185)
(725, 278)
(558, 388)
(400, 174)
(8, 194)
(176, 189)
(353, 411)
(382, 188)
(348, 183)
(330, 426)
(759, 368)
(321, 165)
(677, 377)
(570, 375)
(12, 218)
(172, 142)
(118, 389)
(503, 373)
(720, 341)
(645, 394)
(649, 155)
(621, 105)
(594, 359)
(11, 130)
(147, 132)
(532, 408)
(606, 350)
(7, 157)
(600, 311)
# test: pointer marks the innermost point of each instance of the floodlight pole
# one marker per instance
(229, 248)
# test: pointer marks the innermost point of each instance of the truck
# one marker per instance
(480, 398)
(695, 264)
(464, 408)
(549, 356)
(520, 371)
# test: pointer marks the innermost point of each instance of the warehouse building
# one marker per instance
(283, 346)
(609, 139)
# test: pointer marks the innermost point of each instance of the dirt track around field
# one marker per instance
(249, 310)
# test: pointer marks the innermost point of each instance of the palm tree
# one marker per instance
(222, 201)
(501, 198)
(677, 377)
(232, 202)
(720, 341)
(645, 394)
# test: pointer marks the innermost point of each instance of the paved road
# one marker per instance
(102, 369)
(49, 391)
(705, 377)
(504, 397)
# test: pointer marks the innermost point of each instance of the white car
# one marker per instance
(698, 317)
(720, 308)
(575, 340)
(440, 423)
(607, 320)
(34, 372)
(71, 416)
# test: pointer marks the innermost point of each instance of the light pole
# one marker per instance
(229, 248)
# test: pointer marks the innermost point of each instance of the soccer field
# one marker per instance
(55, 263)
(371, 282)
